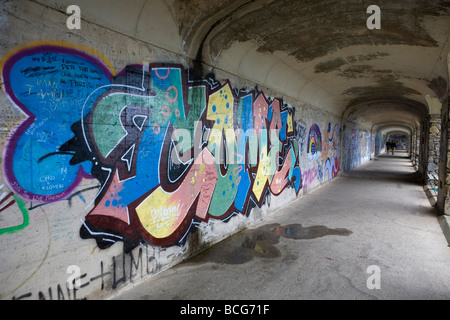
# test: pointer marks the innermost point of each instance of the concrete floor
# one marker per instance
(323, 246)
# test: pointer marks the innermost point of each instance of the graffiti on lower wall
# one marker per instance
(359, 146)
(168, 150)
(322, 154)
(331, 151)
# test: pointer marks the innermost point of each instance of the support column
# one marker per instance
(417, 146)
(433, 145)
(431, 157)
(423, 150)
(415, 142)
(434, 141)
(443, 199)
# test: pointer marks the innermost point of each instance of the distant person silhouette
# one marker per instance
(388, 145)
(393, 145)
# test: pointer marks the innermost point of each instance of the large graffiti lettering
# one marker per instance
(167, 149)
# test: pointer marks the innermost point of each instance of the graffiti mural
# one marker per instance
(330, 151)
(358, 146)
(168, 150)
(322, 152)
(13, 212)
(301, 134)
(314, 142)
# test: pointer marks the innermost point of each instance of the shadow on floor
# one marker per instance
(390, 156)
(382, 174)
(393, 168)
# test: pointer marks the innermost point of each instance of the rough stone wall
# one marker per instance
(446, 166)
(443, 198)
(415, 141)
(434, 144)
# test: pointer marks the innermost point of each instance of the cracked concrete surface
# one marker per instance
(384, 218)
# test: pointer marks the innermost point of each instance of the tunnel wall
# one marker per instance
(118, 162)
(358, 145)
(380, 143)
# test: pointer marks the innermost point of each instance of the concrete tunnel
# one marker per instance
(146, 131)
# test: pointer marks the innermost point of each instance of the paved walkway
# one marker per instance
(369, 234)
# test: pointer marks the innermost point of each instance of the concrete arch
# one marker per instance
(324, 70)
(385, 116)
(387, 128)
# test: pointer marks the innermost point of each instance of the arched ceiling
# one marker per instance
(396, 131)
(320, 52)
(386, 113)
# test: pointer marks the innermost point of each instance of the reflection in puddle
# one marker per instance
(297, 231)
(261, 242)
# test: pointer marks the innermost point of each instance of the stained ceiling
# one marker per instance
(319, 52)
(326, 49)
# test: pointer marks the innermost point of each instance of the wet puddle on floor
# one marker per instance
(261, 242)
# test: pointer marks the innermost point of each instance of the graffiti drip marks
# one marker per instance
(168, 150)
